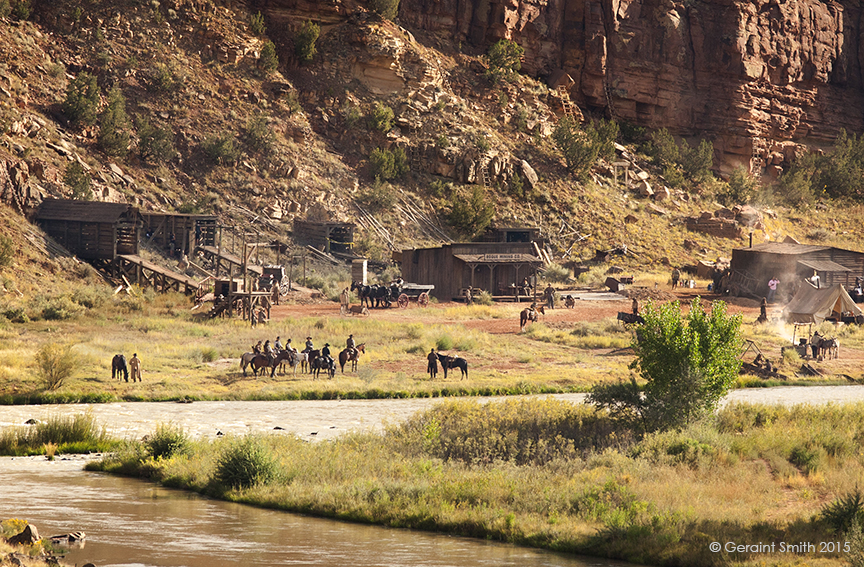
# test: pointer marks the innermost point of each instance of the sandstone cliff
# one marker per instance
(759, 78)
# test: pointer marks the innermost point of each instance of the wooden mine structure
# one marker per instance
(188, 230)
(335, 237)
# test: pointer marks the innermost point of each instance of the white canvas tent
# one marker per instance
(811, 305)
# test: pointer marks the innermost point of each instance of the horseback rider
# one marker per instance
(289, 346)
(277, 346)
(325, 354)
(309, 346)
(257, 348)
(432, 369)
(352, 347)
(268, 350)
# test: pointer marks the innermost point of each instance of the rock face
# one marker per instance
(757, 77)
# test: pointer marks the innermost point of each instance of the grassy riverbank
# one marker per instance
(185, 357)
(553, 475)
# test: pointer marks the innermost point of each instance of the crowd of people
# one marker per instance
(274, 348)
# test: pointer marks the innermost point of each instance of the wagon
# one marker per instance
(417, 292)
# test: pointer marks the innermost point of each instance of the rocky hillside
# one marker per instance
(262, 143)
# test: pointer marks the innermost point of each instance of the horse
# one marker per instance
(830, 348)
(320, 363)
(344, 357)
(245, 360)
(273, 361)
(364, 292)
(530, 314)
(449, 362)
(118, 365)
(311, 356)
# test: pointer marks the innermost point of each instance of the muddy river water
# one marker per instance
(137, 524)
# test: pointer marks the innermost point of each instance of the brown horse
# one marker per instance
(345, 356)
(529, 314)
(259, 361)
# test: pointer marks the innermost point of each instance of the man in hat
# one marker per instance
(351, 346)
(135, 367)
(277, 346)
(309, 346)
(325, 354)
(432, 369)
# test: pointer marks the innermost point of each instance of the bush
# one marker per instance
(256, 24)
(78, 180)
(304, 41)
(845, 511)
(387, 9)
(680, 162)
(7, 251)
(688, 361)
(381, 118)
(22, 10)
(60, 308)
(162, 78)
(471, 213)
(56, 363)
(741, 188)
(245, 463)
(504, 59)
(114, 125)
(5, 8)
(167, 441)
(380, 196)
(386, 165)
(82, 100)
(581, 148)
(268, 60)
(154, 143)
(220, 148)
(260, 138)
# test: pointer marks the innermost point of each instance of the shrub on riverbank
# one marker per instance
(70, 434)
(550, 474)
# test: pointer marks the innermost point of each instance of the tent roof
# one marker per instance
(811, 305)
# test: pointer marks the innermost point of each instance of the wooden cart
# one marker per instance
(417, 292)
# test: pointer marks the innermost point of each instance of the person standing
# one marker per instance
(550, 296)
(815, 343)
(635, 306)
(432, 368)
(763, 311)
(135, 367)
(772, 289)
(814, 279)
(469, 296)
(676, 275)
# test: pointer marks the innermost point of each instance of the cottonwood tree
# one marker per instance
(689, 362)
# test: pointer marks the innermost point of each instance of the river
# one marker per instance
(131, 523)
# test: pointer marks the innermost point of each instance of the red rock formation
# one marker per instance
(756, 77)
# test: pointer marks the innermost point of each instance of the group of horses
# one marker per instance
(376, 295)
(311, 362)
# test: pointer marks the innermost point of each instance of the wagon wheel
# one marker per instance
(364, 312)
(423, 299)
(403, 301)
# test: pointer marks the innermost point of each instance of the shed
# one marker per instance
(91, 229)
(811, 305)
(512, 234)
(491, 266)
(791, 263)
(189, 230)
(334, 237)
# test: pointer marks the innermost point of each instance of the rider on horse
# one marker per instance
(351, 345)
(257, 348)
(309, 346)
(277, 346)
(268, 350)
(325, 354)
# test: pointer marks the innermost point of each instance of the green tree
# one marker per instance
(579, 147)
(471, 212)
(741, 187)
(256, 24)
(5, 8)
(386, 165)
(78, 180)
(114, 125)
(504, 59)
(689, 362)
(387, 9)
(82, 100)
(220, 148)
(154, 143)
(56, 363)
(260, 138)
(268, 60)
(22, 10)
(304, 41)
(381, 118)
(696, 162)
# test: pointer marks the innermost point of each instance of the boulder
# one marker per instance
(528, 174)
(29, 536)
(630, 219)
(661, 194)
(644, 189)
(748, 216)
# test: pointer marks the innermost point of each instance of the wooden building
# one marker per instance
(334, 237)
(189, 230)
(491, 266)
(791, 264)
(512, 234)
(91, 230)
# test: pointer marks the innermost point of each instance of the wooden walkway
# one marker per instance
(138, 270)
(224, 257)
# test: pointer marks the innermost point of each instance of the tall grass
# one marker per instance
(70, 434)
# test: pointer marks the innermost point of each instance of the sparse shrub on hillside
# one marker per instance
(520, 118)
(78, 180)
(515, 186)
(154, 143)
(22, 10)
(380, 196)
(351, 114)
(259, 136)
(682, 162)
(578, 147)
(7, 251)
(220, 148)
(845, 511)
(482, 143)
(441, 189)
(387, 9)
(268, 60)
(795, 187)
(82, 100)
(740, 189)
(442, 142)
(607, 132)
(163, 78)
(630, 133)
(387, 165)
(820, 235)
(471, 212)
(5, 8)
(304, 41)
(56, 363)
(256, 24)
(381, 118)
(114, 125)
(504, 59)
(556, 273)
